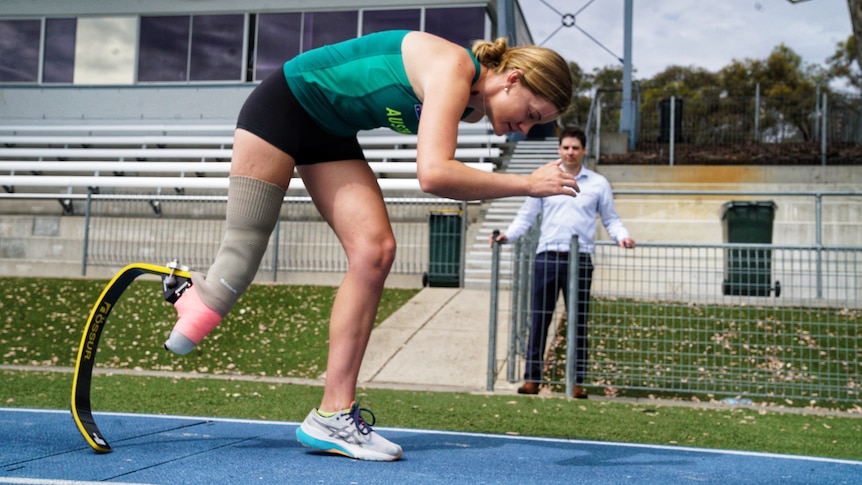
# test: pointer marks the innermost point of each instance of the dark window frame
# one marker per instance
(258, 50)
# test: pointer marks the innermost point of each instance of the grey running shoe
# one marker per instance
(347, 433)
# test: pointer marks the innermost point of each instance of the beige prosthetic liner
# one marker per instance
(253, 208)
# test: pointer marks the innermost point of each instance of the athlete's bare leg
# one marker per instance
(349, 198)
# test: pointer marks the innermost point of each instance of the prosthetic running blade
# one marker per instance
(175, 280)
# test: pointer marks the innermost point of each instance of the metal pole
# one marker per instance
(463, 247)
(526, 260)
(506, 21)
(757, 112)
(637, 113)
(492, 322)
(591, 139)
(818, 224)
(86, 231)
(598, 141)
(672, 126)
(515, 310)
(817, 113)
(275, 237)
(572, 317)
(627, 113)
(823, 132)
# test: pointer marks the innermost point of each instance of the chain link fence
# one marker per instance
(158, 228)
(664, 318)
(710, 127)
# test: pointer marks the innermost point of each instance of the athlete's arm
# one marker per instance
(441, 74)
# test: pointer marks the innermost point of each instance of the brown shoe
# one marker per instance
(579, 392)
(529, 388)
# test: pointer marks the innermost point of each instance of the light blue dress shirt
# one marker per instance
(564, 216)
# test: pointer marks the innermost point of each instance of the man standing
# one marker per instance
(562, 218)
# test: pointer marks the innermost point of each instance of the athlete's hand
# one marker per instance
(550, 179)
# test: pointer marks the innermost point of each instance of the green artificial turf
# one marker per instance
(280, 331)
(743, 428)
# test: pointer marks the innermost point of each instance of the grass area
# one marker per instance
(273, 330)
(769, 352)
(281, 331)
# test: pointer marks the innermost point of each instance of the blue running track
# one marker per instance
(44, 447)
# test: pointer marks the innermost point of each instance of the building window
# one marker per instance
(164, 48)
(324, 28)
(200, 48)
(278, 39)
(105, 50)
(459, 25)
(20, 42)
(59, 64)
(217, 43)
(379, 20)
(191, 48)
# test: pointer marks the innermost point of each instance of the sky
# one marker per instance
(702, 33)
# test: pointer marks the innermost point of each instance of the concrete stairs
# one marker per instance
(497, 214)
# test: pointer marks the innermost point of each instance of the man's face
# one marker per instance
(572, 152)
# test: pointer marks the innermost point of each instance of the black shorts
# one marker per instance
(273, 113)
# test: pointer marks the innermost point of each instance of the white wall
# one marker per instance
(215, 103)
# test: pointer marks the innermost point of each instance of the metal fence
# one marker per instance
(685, 318)
(143, 227)
(709, 127)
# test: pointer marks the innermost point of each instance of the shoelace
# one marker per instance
(362, 425)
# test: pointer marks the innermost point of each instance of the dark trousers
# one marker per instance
(550, 277)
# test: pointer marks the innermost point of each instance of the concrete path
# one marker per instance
(437, 341)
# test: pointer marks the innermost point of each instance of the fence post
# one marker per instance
(823, 132)
(672, 126)
(492, 322)
(275, 238)
(86, 232)
(462, 250)
(818, 228)
(757, 112)
(572, 311)
(598, 141)
(592, 132)
(516, 306)
(817, 113)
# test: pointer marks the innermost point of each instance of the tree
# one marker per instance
(840, 64)
(701, 93)
(581, 84)
(856, 20)
(606, 83)
(787, 89)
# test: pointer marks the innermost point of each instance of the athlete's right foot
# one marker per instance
(346, 433)
(196, 320)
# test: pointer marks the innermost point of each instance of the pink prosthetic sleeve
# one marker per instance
(196, 320)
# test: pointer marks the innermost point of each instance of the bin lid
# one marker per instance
(747, 204)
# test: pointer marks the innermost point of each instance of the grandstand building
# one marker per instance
(95, 95)
(194, 60)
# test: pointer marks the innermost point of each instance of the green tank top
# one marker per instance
(358, 84)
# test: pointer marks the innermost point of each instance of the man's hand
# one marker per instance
(501, 238)
(627, 243)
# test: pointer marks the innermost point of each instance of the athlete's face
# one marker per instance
(517, 109)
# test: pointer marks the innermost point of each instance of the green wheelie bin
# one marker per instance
(748, 271)
(446, 233)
